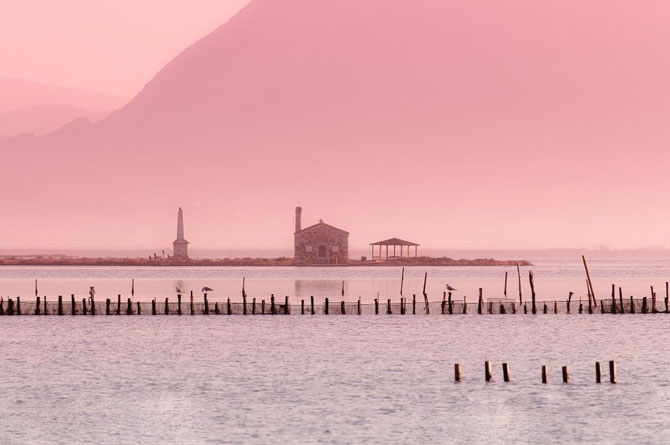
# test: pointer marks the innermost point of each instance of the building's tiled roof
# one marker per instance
(322, 224)
(394, 242)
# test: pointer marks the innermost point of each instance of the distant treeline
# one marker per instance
(281, 261)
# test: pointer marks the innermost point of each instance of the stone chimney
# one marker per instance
(298, 219)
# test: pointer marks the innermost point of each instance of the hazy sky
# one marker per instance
(113, 46)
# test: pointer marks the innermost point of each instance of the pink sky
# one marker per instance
(466, 124)
(113, 46)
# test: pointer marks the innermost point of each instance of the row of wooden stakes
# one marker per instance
(488, 375)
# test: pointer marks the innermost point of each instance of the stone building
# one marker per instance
(320, 243)
(180, 245)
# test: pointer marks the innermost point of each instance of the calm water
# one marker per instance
(322, 379)
(329, 379)
(553, 280)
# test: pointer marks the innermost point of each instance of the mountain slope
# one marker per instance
(437, 113)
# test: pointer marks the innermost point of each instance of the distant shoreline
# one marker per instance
(248, 262)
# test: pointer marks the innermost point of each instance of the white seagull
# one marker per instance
(449, 288)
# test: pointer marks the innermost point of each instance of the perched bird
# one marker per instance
(449, 288)
(179, 290)
(207, 289)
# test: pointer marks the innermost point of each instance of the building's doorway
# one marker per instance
(322, 251)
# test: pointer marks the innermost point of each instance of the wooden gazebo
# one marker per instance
(395, 243)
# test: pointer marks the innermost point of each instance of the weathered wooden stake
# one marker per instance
(129, 308)
(262, 307)
(139, 309)
(597, 372)
(38, 306)
(450, 304)
(667, 296)
(388, 307)
(653, 300)
(490, 307)
(612, 371)
(525, 308)
(532, 292)
(555, 307)
(518, 273)
(505, 372)
(413, 303)
(457, 372)
(167, 307)
(10, 307)
(465, 304)
(544, 374)
(311, 299)
(229, 307)
(217, 311)
(342, 309)
(118, 304)
(153, 307)
(359, 305)
(480, 301)
(83, 305)
(444, 302)
(191, 304)
(273, 309)
(581, 306)
(206, 304)
(302, 307)
(505, 291)
(487, 371)
(178, 304)
(544, 307)
(60, 305)
(566, 374)
(613, 299)
(588, 278)
(287, 308)
(18, 305)
(644, 305)
(325, 307)
(621, 309)
(92, 305)
(73, 309)
(253, 306)
(376, 307)
(632, 305)
(502, 308)
(569, 298)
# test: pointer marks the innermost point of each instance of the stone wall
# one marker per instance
(322, 244)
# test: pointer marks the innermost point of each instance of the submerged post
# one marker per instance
(597, 372)
(229, 308)
(287, 308)
(129, 307)
(376, 306)
(413, 304)
(73, 309)
(566, 374)
(544, 374)
(388, 307)
(450, 305)
(632, 305)
(118, 305)
(167, 307)
(505, 372)
(479, 303)
(487, 371)
(178, 304)
(37, 305)
(644, 305)
(532, 292)
(139, 308)
(311, 300)
(206, 304)
(302, 307)
(342, 309)
(612, 371)
(153, 307)
(244, 303)
(325, 307)
(457, 372)
(569, 298)
(191, 304)
(272, 304)
(621, 309)
(60, 305)
(253, 306)
(359, 305)
(613, 299)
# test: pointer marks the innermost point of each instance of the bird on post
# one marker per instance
(450, 288)
(206, 289)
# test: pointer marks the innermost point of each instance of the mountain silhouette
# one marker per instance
(410, 106)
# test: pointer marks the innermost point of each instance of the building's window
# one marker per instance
(336, 248)
(322, 251)
(308, 248)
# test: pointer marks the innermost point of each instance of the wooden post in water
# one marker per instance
(518, 273)
(632, 305)
(450, 304)
(388, 307)
(621, 310)
(191, 304)
(444, 302)
(490, 307)
(60, 305)
(38, 306)
(73, 309)
(581, 306)
(302, 307)
(532, 292)
(566, 374)
(644, 305)
(402, 306)
(178, 304)
(311, 302)
(425, 295)
(505, 291)
(544, 307)
(505, 372)
(612, 371)
(597, 372)
(10, 306)
(253, 306)
(287, 308)
(513, 307)
(376, 306)
(487, 371)
(359, 305)
(108, 305)
(544, 374)
(244, 303)
(206, 304)
(479, 302)
(590, 307)
(18, 305)
(273, 310)
(413, 304)
(613, 300)
(139, 309)
(325, 308)
(457, 372)
(217, 311)
(92, 305)
(555, 307)
(667, 296)
(153, 307)
(588, 278)
(129, 308)
(653, 300)
(229, 307)
(118, 304)
(83, 305)
(465, 304)
(167, 307)
(342, 308)
(569, 298)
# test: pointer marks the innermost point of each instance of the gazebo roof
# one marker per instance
(394, 242)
